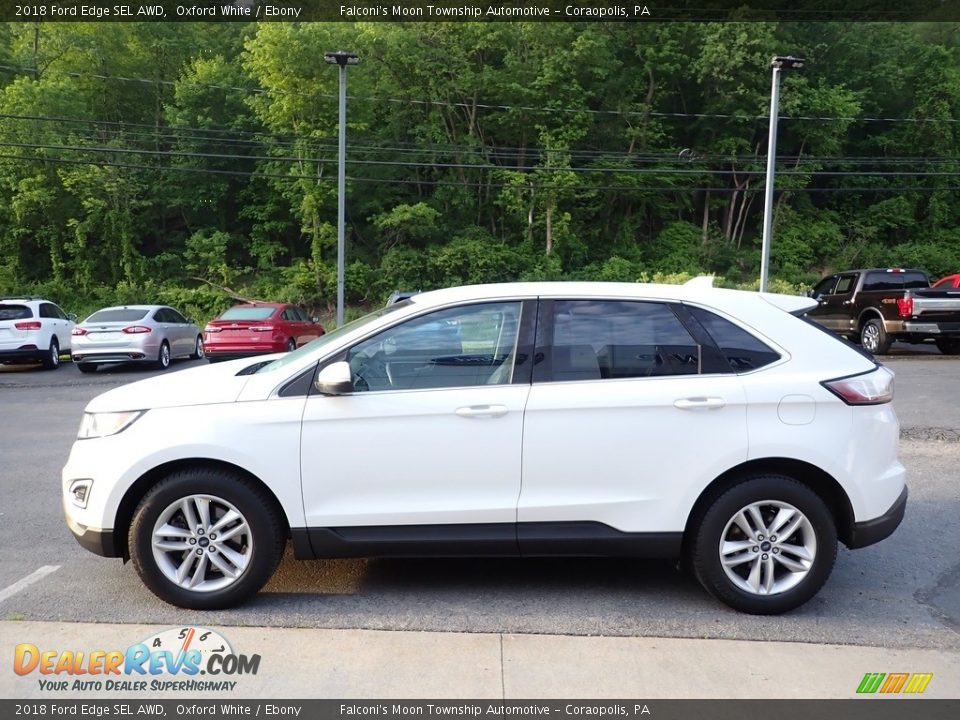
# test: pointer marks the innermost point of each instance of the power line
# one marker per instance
(433, 183)
(173, 134)
(484, 106)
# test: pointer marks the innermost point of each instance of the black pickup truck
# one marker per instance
(877, 306)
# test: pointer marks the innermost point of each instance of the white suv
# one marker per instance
(519, 419)
(34, 329)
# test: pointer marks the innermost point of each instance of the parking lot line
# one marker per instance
(30, 579)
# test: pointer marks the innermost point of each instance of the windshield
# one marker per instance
(247, 313)
(122, 315)
(313, 345)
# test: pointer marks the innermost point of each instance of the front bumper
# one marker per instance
(873, 531)
(99, 542)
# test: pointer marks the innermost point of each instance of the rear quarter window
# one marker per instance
(743, 351)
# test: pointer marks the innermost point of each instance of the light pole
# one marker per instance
(778, 63)
(341, 58)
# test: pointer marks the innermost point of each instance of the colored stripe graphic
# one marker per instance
(918, 682)
(870, 682)
(894, 682)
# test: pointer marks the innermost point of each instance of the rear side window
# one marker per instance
(610, 339)
(742, 350)
(15, 312)
(118, 315)
(248, 313)
(846, 284)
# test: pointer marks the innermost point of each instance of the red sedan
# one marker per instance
(950, 282)
(256, 329)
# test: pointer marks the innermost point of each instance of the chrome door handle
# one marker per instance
(472, 411)
(699, 403)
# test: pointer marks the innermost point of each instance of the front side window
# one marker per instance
(825, 286)
(610, 339)
(456, 347)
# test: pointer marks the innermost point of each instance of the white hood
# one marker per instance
(205, 385)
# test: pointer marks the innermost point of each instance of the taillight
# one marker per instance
(212, 328)
(137, 330)
(32, 325)
(905, 306)
(871, 388)
(262, 328)
(78, 331)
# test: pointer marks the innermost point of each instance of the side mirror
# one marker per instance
(810, 294)
(335, 379)
(72, 317)
(314, 320)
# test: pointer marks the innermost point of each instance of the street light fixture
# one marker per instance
(778, 63)
(341, 58)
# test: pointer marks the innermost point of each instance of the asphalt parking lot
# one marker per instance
(904, 592)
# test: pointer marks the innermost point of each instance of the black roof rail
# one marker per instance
(20, 297)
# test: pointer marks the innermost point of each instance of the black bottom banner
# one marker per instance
(853, 709)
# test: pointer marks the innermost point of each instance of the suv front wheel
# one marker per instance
(765, 546)
(206, 539)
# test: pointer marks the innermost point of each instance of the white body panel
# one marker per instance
(618, 452)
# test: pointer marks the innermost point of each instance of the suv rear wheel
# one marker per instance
(765, 546)
(206, 539)
(51, 361)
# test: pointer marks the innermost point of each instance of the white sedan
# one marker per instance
(529, 419)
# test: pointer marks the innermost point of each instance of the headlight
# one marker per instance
(96, 425)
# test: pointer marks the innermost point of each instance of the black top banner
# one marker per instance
(488, 11)
(493, 709)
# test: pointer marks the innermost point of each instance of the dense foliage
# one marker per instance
(170, 161)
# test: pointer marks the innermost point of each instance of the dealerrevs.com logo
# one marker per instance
(189, 659)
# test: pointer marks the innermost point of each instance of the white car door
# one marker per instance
(627, 420)
(429, 440)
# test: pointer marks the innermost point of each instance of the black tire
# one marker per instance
(873, 337)
(51, 361)
(948, 346)
(291, 345)
(263, 518)
(197, 348)
(718, 524)
(86, 367)
(163, 357)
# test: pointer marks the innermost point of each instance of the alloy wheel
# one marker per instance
(202, 543)
(767, 547)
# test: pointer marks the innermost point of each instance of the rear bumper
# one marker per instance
(873, 531)
(233, 353)
(18, 354)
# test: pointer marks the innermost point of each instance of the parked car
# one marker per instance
(595, 419)
(33, 329)
(149, 334)
(258, 329)
(878, 306)
(949, 282)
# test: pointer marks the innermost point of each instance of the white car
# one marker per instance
(545, 419)
(32, 328)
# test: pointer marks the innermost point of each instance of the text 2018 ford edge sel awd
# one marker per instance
(538, 419)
